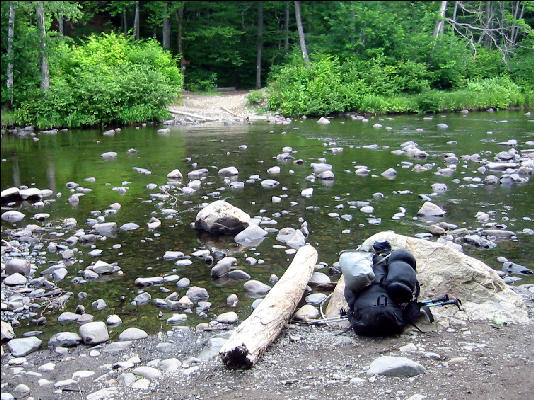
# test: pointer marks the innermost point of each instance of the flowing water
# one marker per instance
(54, 160)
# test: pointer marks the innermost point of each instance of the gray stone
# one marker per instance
(228, 318)
(99, 304)
(130, 226)
(319, 278)
(126, 378)
(68, 316)
(269, 183)
(257, 288)
(94, 333)
(113, 320)
(395, 366)
(389, 173)
(211, 350)
(132, 334)
(251, 236)
(12, 216)
(17, 265)
(106, 228)
(15, 279)
(429, 209)
(141, 299)
(221, 217)
(292, 237)
(315, 298)
(196, 294)
(23, 346)
(147, 372)
(177, 319)
(323, 121)
(7, 331)
(306, 313)
(228, 172)
(108, 155)
(65, 339)
(237, 275)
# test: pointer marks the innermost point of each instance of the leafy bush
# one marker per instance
(200, 80)
(109, 78)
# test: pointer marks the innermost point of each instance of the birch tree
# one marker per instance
(43, 58)
(10, 36)
(301, 34)
(259, 45)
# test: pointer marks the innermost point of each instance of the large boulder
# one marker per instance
(223, 218)
(442, 269)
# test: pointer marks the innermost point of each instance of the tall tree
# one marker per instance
(440, 22)
(136, 21)
(286, 27)
(43, 58)
(259, 46)
(10, 36)
(166, 29)
(301, 34)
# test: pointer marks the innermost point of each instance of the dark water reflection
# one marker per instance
(55, 160)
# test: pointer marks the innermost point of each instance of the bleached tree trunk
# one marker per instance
(166, 30)
(301, 34)
(259, 45)
(252, 337)
(286, 27)
(10, 36)
(136, 21)
(43, 60)
(440, 22)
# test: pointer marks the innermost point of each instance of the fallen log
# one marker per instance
(194, 116)
(252, 337)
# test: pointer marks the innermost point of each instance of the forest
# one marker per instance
(93, 63)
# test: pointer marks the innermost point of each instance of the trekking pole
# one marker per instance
(456, 302)
(327, 320)
(437, 300)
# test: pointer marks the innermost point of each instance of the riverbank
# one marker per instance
(474, 360)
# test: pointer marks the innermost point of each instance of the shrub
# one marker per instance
(200, 80)
(107, 79)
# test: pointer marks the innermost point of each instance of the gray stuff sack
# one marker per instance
(357, 269)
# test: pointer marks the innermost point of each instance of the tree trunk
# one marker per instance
(440, 22)
(45, 73)
(166, 31)
(180, 20)
(136, 21)
(124, 22)
(60, 25)
(301, 34)
(10, 36)
(286, 27)
(252, 337)
(259, 45)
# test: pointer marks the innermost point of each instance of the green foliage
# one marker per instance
(200, 80)
(108, 79)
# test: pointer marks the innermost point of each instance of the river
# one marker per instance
(333, 214)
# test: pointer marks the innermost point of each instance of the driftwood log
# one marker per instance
(252, 337)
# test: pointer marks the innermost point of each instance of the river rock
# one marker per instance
(253, 235)
(221, 217)
(175, 174)
(269, 183)
(442, 269)
(429, 209)
(315, 298)
(223, 267)
(176, 319)
(130, 226)
(31, 194)
(319, 278)
(306, 313)
(197, 173)
(256, 288)
(108, 155)
(308, 192)
(23, 346)
(141, 299)
(106, 228)
(196, 294)
(326, 176)
(12, 216)
(292, 237)
(395, 366)
(19, 265)
(10, 194)
(7, 331)
(15, 279)
(65, 339)
(132, 334)
(94, 333)
(389, 173)
(323, 121)
(227, 318)
(228, 172)
(321, 167)
(147, 372)
(232, 300)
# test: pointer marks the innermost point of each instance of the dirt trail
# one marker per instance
(220, 108)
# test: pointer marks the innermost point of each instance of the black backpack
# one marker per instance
(390, 303)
